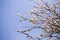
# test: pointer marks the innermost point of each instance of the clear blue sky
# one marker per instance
(9, 20)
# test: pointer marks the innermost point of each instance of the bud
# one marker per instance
(42, 35)
(18, 14)
(32, 21)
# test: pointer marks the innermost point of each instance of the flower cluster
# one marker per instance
(44, 17)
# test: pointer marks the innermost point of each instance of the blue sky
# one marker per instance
(9, 20)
